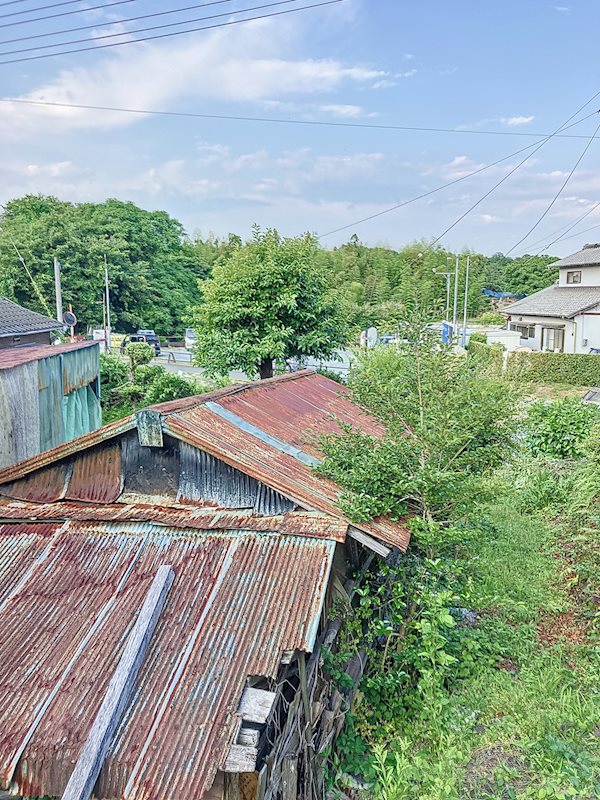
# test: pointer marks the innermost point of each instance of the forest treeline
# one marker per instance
(155, 266)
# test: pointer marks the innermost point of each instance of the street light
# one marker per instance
(447, 275)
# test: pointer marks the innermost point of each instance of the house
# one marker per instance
(217, 493)
(48, 395)
(19, 326)
(564, 317)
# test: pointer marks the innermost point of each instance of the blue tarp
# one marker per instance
(492, 293)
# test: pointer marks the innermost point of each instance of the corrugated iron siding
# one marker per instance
(96, 475)
(237, 603)
(79, 368)
(19, 413)
(52, 427)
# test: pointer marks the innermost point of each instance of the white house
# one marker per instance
(564, 317)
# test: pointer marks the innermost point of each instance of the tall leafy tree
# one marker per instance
(271, 299)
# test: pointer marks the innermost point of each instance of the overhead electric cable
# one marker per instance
(564, 229)
(62, 13)
(278, 120)
(437, 189)
(174, 33)
(116, 22)
(514, 169)
(558, 193)
(150, 28)
(41, 8)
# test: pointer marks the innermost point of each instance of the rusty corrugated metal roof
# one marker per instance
(239, 601)
(14, 356)
(293, 523)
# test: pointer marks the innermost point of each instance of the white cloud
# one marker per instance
(487, 219)
(345, 110)
(514, 122)
(53, 170)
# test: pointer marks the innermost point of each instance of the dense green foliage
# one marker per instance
(269, 300)
(139, 354)
(559, 428)
(523, 275)
(580, 369)
(153, 268)
(486, 356)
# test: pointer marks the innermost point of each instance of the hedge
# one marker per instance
(486, 355)
(579, 369)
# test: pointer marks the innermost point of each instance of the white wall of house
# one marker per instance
(590, 276)
(588, 330)
(538, 323)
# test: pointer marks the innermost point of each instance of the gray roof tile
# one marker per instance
(589, 256)
(15, 320)
(557, 301)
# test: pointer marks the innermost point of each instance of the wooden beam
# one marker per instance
(241, 758)
(289, 778)
(248, 736)
(90, 761)
(232, 787)
(368, 541)
(256, 705)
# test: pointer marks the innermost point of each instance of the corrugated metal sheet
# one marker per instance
(238, 602)
(44, 486)
(13, 356)
(96, 475)
(19, 413)
(52, 427)
(294, 523)
(80, 366)
(207, 479)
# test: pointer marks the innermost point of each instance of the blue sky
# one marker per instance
(511, 67)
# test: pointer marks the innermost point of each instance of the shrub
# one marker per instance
(139, 353)
(113, 373)
(486, 356)
(558, 429)
(169, 386)
(477, 337)
(577, 369)
(491, 318)
(332, 374)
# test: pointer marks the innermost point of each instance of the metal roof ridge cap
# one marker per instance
(263, 436)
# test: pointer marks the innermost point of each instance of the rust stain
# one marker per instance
(96, 475)
(15, 356)
(238, 602)
(39, 487)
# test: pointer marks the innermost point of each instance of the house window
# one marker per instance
(553, 339)
(526, 331)
(574, 277)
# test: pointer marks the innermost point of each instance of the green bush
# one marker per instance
(113, 373)
(486, 356)
(558, 429)
(477, 337)
(169, 386)
(580, 369)
(139, 353)
(491, 318)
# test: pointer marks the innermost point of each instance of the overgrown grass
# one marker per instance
(523, 713)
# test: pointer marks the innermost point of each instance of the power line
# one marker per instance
(173, 33)
(150, 28)
(39, 8)
(558, 193)
(278, 120)
(117, 22)
(564, 229)
(62, 13)
(438, 188)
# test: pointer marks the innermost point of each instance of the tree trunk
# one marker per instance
(265, 369)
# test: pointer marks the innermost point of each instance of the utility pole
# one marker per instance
(58, 291)
(455, 309)
(107, 304)
(464, 330)
(446, 275)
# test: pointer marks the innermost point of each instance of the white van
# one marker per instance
(190, 338)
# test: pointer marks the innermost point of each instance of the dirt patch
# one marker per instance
(564, 627)
(486, 764)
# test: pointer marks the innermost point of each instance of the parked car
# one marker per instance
(190, 338)
(147, 338)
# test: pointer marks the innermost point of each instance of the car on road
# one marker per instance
(147, 337)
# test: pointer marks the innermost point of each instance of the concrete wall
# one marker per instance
(590, 276)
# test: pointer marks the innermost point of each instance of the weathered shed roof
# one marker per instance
(16, 320)
(15, 356)
(269, 431)
(69, 595)
(556, 301)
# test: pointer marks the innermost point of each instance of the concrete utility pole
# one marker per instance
(58, 291)
(464, 330)
(107, 304)
(455, 309)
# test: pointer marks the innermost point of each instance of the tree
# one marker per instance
(445, 426)
(271, 299)
(153, 268)
(529, 274)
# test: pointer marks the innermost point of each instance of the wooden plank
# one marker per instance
(256, 705)
(248, 737)
(368, 541)
(149, 425)
(88, 766)
(289, 778)
(231, 787)
(241, 758)
(263, 777)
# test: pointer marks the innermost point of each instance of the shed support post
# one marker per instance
(289, 778)
(232, 787)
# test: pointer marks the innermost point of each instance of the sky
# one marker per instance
(508, 67)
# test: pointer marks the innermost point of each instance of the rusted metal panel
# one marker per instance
(150, 470)
(96, 475)
(43, 486)
(13, 356)
(296, 523)
(80, 366)
(149, 428)
(238, 602)
(16, 471)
